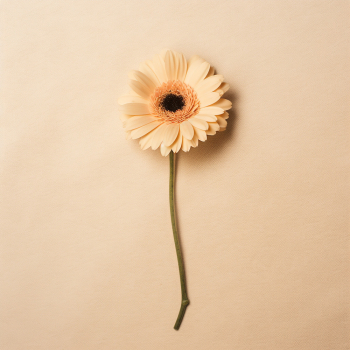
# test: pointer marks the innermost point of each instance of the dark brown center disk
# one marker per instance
(173, 103)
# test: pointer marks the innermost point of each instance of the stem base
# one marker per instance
(181, 315)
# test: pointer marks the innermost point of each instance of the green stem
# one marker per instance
(184, 298)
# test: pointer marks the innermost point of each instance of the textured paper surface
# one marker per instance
(87, 254)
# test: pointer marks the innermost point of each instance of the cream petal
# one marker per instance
(201, 134)
(143, 130)
(207, 117)
(208, 99)
(186, 144)
(133, 93)
(158, 136)
(213, 128)
(137, 122)
(211, 72)
(163, 52)
(194, 141)
(194, 60)
(134, 108)
(211, 110)
(209, 84)
(192, 65)
(144, 79)
(125, 117)
(170, 134)
(182, 68)
(146, 141)
(177, 143)
(158, 67)
(198, 123)
(223, 103)
(170, 61)
(222, 88)
(222, 122)
(146, 68)
(164, 150)
(140, 88)
(225, 115)
(187, 130)
(127, 135)
(131, 99)
(198, 74)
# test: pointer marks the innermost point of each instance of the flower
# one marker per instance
(173, 103)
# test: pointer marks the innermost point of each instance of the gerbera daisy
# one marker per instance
(173, 103)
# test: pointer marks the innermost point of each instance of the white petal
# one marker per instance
(207, 117)
(170, 134)
(222, 122)
(164, 150)
(208, 99)
(140, 88)
(198, 74)
(222, 88)
(223, 103)
(211, 110)
(131, 99)
(135, 134)
(144, 79)
(158, 136)
(198, 123)
(146, 68)
(209, 84)
(177, 143)
(137, 122)
(187, 130)
(134, 108)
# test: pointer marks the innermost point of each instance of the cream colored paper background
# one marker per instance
(87, 254)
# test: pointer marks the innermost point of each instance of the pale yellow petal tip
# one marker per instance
(164, 150)
(164, 51)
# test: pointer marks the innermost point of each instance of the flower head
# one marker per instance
(173, 103)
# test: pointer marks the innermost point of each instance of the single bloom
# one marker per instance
(174, 103)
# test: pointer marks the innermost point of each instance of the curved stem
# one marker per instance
(184, 298)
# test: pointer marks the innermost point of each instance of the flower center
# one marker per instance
(173, 103)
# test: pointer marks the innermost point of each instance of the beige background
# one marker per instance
(87, 254)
